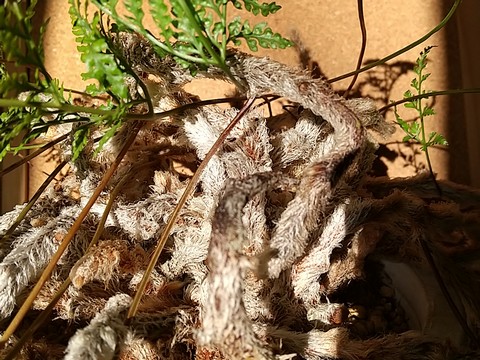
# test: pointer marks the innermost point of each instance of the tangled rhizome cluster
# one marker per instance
(280, 221)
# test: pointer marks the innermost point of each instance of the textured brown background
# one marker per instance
(329, 32)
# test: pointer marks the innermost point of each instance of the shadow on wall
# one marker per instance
(376, 84)
(463, 110)
(463, 127)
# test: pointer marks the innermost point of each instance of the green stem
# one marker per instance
(427, 95)
(224, 35)
(77, 109)
(129, 69)
(148, 35)
(405, 49)
(423, 140)
(67, 108)
(207, 43)
(82, 93)
(427, 156)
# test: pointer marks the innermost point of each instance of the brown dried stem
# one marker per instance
(404, 49)
(33, 154)
(40, 319)
(33, 200)
(173, 217)
(362, 49)
(68, 238)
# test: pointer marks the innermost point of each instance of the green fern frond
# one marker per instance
(415, 131)
(255, 7)
(17, 36)
(195, 32)
(23, 119)
(96, 54)
(260, 35)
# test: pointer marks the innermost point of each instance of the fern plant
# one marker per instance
(187, 33)
(195, 33)
(415, 130)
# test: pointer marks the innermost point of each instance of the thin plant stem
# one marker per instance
(363, 29)
(423, 140)
(32, 201)
(218, 61)
(404, 49)
(429, 94)
(446, 293)
(31, 146)
(430, 169)
(176, 212)
(68, 238)
(67, 108)
(223, 18)
(54, 104)
(126, 65)
(33, 154)
(168, 49)
(83, 93)
(197, 104)
(149, 36)
(177, 110)
(43, 316)
(39, 320)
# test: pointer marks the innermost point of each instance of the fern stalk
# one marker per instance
(413, 130)
(190, 13)
(63, 107)
(422, 127)
(68, 238)
(404, 49)
(176, 212)
(428, 95)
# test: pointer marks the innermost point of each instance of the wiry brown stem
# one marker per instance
(173, 217)
(40, 319)
(405, 49)
(68, 238)
(33, 154)
(362, 49)
(38, 322)
(33, 200)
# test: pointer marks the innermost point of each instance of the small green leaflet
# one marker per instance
(255, 7)
(260, 35)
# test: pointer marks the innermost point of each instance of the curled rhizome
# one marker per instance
(281, 252)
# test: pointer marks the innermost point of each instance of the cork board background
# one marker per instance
(328, 32)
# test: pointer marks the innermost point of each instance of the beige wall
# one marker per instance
(329, 31)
